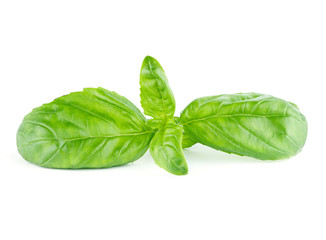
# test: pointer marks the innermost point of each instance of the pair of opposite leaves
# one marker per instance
(97, 128)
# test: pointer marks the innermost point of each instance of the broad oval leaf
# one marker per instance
(251, 124)
(166, 149)
(156, 95)
(94, 128)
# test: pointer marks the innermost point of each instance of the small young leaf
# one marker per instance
(156, 95)
(95, 128)
(156, 123)
(187, 141)
(251, 124)
(167, 151)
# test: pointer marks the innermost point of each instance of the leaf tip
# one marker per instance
(149, 58)
(149, 62)
(181, 171)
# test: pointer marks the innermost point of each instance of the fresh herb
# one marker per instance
(97, 128)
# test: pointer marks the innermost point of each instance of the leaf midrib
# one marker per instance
(90, 137)
(108, 136)
(235, 115)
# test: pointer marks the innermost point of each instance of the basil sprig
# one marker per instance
(97, 128)
(158, 101)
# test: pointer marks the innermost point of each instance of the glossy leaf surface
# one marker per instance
(156, 95)
(166, 149)
(94, 128)
(251, 124)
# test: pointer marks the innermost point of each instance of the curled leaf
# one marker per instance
(166, 149)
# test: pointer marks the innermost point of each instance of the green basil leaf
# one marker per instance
(156, 95)
(251, 124)
(156, 123)
(187, 141)
(94, 128)
(167, 151)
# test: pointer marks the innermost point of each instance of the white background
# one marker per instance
(51, 48)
